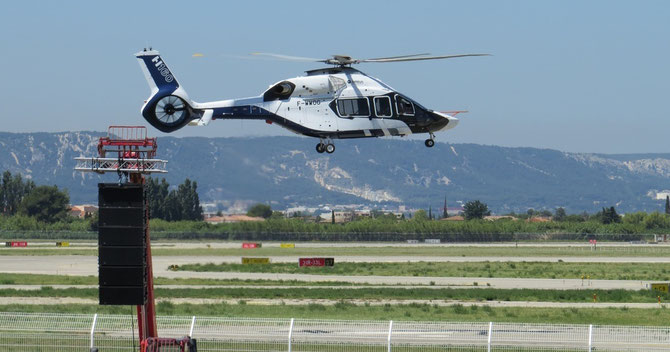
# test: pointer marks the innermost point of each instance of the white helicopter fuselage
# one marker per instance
(329, 103)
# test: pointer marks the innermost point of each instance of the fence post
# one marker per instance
(488, 348)
(290, 335)
(388, 340)
(590, 337)
(95, 320)
(190, 332)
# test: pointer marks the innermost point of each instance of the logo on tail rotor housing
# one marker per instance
(162, 68)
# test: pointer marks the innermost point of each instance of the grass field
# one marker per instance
(342, 310)
(370, 294)
(558, 270)
(446, 251)
(39, 279)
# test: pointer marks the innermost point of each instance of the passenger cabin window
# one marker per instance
(405, 107)
(353, 107)
(383, 107)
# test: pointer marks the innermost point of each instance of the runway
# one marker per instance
(87, 265)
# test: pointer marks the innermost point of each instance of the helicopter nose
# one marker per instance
(449, 121)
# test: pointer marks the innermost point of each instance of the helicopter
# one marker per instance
(335, 102)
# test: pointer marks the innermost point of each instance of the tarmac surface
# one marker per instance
(87, 265)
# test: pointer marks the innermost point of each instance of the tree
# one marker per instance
(332, 216)
(12, 191)
(157, 193)
(609, 216)
(46, 203)
(475, 210)
(180, 204)
(445, 214)
(634, 218)
(655, 220)
(667, 204)
(560, 214)
(260, 210)
(420, 215)
(189, 201)
(430, 213)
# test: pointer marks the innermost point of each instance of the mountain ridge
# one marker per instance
(287, 171)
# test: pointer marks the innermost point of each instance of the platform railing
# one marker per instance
(79, 332)
(145, 166)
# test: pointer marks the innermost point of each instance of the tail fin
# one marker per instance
(169, 107)
(156, 72)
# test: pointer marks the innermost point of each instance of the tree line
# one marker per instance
(46, 204)
(24, 205)
(182, 203)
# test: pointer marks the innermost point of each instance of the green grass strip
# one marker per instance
(372, 294)
(409, 312)
(557, 270)
(41, 279)
(363, 250)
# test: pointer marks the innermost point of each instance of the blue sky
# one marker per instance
(583, 76)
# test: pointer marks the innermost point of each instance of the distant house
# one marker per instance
(454, 218)
(366, 213)
(231, 219)
(83, 211)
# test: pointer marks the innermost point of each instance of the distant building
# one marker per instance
(363, 213)
(454, 218)
(340, 216)
(231, 219)
(83, 211)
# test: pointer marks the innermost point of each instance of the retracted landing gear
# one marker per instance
(430, 142)
(325, 146)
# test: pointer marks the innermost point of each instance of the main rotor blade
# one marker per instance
(396, 57)
(421, 58)
(289, 58)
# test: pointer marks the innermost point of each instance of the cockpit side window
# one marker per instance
(383, 107)
(353, 107)
(404, 106)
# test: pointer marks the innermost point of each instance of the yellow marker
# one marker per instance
(661, 287)
(198, 55)
(247, 260)
(287, 245)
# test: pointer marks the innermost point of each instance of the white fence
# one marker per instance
(78, 332)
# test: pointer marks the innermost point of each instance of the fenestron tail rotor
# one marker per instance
(171, 110)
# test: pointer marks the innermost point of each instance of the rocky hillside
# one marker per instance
(288, 171)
